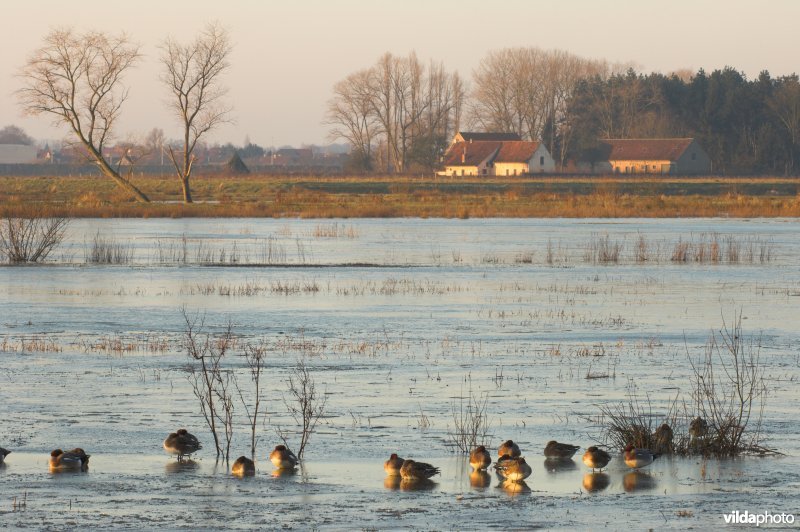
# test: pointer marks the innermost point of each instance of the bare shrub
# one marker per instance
(304, 403)
(30, 239)
(470, 422)
(634, 422)
(211, 383)
(255, 356)
(729, 392)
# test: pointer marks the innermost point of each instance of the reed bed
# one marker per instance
(400, 196)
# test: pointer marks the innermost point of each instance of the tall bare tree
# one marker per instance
(77, 78)
(193, 73)
(397, 112)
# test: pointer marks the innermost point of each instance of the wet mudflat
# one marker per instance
(397, 319)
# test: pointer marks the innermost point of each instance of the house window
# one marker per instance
(462, 171)
(541, 160)
(515, 171)
(455, 173)
(485, 171)
(506, 171)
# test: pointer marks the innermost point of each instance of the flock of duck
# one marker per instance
(510, 466)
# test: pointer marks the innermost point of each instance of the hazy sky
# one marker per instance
(288, 54)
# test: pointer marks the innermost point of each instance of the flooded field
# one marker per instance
(400, 322)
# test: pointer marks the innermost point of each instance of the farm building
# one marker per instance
(489, 157)
(648, 156)
(17, 154)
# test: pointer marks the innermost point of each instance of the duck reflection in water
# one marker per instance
(512, 487)
(596, 481)
(184, 466)
(480, 479)
(559, 465)
(417, 484)
(638, 481)
(392, 482)
(284, 473)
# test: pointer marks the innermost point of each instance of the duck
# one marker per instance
(596, 458)
(74, 460)
(412, 470)
(638, 458)
(243, 467)
(698, 428)
(282, 458)
(393, 464)
(509, 448)
(513, 468)
(662, 439)
(3, 454)
(182, 443)
(560, 450)
(480, 458)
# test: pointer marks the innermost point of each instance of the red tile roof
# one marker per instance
(474, 153)
(645, 149)
(519, 151)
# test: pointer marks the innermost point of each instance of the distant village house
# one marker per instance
(485, 154)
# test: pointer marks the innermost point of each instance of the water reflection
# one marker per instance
(183, 466)
(284, 472)
(638, 481)
(480, 479)
(596, 481)
(424, 484)
(392, 482)
(559, 465)
(514, 488)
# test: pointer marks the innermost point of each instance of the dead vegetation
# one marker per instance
(471, 422)
(30, 239)
(724, 415)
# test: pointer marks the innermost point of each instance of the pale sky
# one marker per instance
(288, 54)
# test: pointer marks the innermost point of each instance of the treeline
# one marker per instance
(399, 115)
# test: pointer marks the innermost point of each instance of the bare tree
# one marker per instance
(350, 114)
(209, 381)
(78, 79)
(397, 112)
(193, 74)
(256, 357)
(304, 403)
(15, 135)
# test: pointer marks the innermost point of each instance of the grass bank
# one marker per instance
(352, 197)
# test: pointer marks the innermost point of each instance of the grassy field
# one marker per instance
(348, 197)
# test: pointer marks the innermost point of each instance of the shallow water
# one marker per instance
(397, 320)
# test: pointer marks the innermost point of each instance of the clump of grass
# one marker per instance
(105, 250)
(601, 249)
(334, 230)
